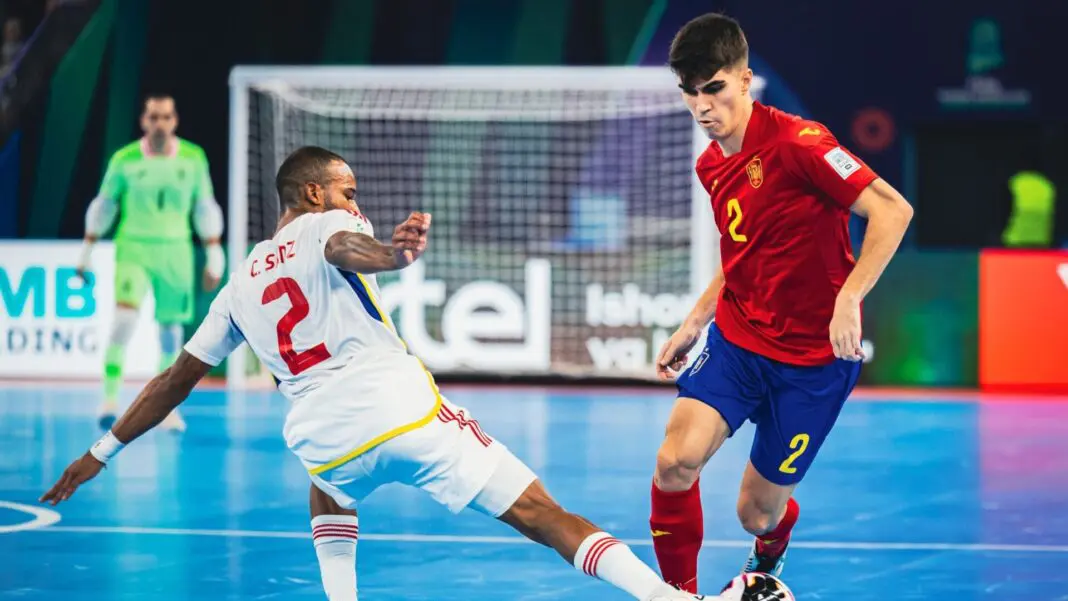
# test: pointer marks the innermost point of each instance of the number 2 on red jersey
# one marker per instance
(296, 361)
(734, 213)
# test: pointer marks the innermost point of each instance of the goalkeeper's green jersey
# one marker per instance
(156, 193)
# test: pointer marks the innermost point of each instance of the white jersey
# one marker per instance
(322, 334)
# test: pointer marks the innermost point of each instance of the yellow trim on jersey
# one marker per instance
(382, 315)
(395, 432)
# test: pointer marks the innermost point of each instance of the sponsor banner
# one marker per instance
(611, 329)
(1023, 319)
(55, 325)
(920, 322)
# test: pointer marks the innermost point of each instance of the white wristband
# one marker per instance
(106, 448)
(214, 259)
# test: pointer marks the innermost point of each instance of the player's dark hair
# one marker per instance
(304, 165)
(705, 45)
(156, 96)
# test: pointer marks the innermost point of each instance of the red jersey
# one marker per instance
(782, 206)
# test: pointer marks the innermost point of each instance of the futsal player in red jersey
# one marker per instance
(784, 349)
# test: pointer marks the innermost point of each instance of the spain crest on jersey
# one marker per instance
(755, 170)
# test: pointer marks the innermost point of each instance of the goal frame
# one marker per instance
(704, 237)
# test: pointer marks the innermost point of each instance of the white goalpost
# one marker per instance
(570, 233)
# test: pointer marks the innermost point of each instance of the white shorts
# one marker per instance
(451, 458)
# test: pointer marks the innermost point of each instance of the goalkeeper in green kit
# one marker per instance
(157, 185)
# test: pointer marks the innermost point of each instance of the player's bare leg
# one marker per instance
(768, 512)
(335, 531)
(694, 433)
(170, 345)
(122, 328)
(540, 518)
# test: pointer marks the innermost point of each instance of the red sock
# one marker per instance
(678, 527)
(773, 543)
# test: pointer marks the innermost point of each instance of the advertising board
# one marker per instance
(54, 325)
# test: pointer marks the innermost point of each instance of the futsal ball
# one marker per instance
(756, 587)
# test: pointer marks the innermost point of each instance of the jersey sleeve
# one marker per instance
(113, 186)
(336, 221)
(218, 335)
(204, 190)
(817, 159)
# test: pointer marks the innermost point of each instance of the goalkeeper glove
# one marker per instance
(215, 260)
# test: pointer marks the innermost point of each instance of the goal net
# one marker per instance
(570, 236)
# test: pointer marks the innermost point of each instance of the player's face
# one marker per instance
(340, 192)
(160, 118)
(718, 104)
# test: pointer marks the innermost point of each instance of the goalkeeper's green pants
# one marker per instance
(166, 267)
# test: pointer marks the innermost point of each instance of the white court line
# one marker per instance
(514, 540)
(42, 517)
(877, 394)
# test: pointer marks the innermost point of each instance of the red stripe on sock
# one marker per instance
(335, 527)
(604, 549)
(334, 537)
(593, 556)
(328, 528)
(589, 566)
(589, 555)
(335, 532)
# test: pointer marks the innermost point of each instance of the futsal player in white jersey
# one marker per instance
(364, 412)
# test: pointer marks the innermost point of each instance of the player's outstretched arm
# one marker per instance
(674, 354)
(360, 253)
(888, 215)
(165, 392)
(705, 308)
(162, 394)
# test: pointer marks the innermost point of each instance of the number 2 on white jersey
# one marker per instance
(296, 361)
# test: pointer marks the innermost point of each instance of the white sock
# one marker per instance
(603, 556)
(335, 537)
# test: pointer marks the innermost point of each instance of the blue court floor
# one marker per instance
(939, 499)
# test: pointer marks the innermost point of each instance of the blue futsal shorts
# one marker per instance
(794, 407)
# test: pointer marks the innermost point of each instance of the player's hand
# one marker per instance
(410, 238)
(81, 471)
(845, 330)
(210, 281)
(675, 352)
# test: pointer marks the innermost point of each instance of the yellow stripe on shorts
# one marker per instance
(395, 432)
